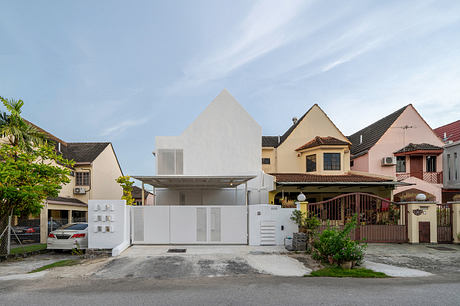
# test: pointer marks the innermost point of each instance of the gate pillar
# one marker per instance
(421, 211)
(456, 221)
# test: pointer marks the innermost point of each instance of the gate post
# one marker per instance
(455, 215)
(421, 211)
(358, 221)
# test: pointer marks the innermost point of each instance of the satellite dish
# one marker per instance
(301, 197)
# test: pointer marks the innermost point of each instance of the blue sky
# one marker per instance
(125, 71)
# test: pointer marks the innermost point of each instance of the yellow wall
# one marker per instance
(315, 123)
(105, 171)
(269, 153)
(319, 151)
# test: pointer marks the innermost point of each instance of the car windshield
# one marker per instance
(78, 226)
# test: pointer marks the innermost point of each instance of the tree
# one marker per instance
(27, 179)
(30, 169)
(16, 130)
(127, 186)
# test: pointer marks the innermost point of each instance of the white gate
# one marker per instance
(189, 225)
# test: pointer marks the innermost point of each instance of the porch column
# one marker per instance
(456, 221)
(69, 216)
(44, 223)
(143, 200)
(421, 211)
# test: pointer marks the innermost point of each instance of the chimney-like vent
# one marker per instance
(294, 120)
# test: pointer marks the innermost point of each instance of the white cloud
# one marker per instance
(123, 126)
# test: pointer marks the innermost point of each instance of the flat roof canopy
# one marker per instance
(194, 181)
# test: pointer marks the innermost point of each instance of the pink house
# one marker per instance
(404, 146)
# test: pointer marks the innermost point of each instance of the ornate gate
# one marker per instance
(444, 220)
(379, 219)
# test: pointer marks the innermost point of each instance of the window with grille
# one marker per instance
(311, 163)
(82, 179)
(400, 164)
(265, 161)
(170, 161)
(431, 164)
(331, 161)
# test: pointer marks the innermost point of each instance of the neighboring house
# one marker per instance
(313, 157)
(450, 132)
(205, 179)
(137, 195)
(92, 177)
(451, 161)
(401, 145)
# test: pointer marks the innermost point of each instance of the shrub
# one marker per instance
(336, 247)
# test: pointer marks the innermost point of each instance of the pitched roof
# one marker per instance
(418, 146)
(83, 152)
(305, 177)
(276, 141)
(68, 201)
(137, 192)
(270, 141)
(319, 141)
(46, 133)
(372, 133)
(452, 131)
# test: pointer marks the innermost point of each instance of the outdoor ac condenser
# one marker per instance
(389, 161)
(79, 190)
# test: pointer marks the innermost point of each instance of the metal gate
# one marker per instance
(189, 224)
(444, 221)
(379, 219)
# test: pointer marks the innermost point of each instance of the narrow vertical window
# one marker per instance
(448, 167)
(311, 163)
(400, 164)
(431, 164)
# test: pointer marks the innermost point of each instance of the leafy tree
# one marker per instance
(15, 130)
(127, 186)
(27, 179)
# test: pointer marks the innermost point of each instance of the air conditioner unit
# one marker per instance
(389, 161)
(79, 190)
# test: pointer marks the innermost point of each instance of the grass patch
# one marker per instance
(339, 272)
(61, 263)
(28, 248)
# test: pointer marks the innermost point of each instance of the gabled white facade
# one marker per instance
(224, 140)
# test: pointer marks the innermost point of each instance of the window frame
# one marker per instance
(314, 161)
(398, 166)
(430, 163)
(80, 179)
(331, 166)
(265, 159)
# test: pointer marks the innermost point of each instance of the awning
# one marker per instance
(194, 181)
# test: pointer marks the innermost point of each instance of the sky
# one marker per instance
(127, 71)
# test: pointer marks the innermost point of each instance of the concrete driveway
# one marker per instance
(440, 259)
(200, 261)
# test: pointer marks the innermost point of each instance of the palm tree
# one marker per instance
(15, 129)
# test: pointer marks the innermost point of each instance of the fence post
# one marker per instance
(358, 221)
(8, 243)
(455, 215)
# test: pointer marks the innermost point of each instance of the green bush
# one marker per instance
(336, 247)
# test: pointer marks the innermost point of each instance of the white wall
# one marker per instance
(119, 226)
(223, 140)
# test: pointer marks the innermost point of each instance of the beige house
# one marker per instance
(92, 178)
(149, 198)
(313, 157)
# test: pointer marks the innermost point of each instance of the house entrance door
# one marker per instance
(424, 232)
(416, 166)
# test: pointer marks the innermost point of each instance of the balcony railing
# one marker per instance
(430, 177)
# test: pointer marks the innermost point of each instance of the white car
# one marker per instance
(68, 237)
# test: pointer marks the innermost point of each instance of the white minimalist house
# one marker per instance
(206, 178)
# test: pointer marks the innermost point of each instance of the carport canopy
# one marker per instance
(195, 181)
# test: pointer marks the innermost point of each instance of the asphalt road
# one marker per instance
(253, 290)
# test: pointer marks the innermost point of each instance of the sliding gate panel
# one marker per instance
(189, 225)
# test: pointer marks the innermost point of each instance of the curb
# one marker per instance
(22, 255)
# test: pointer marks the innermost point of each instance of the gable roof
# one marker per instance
(418, 147)
(276, 141)
(137, 192)
(319, 141)
(372, 133)
(318, 178)
(452, 131)
(84, 152)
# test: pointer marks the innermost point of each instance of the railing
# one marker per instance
(430, 177)
(444, 221)
(379, 219)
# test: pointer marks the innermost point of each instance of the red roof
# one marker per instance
(452, 131)
(319, 141)
(305, 177)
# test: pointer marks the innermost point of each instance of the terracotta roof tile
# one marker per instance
(418, 146)
(452, 131)
(305, 177)
(319, 141)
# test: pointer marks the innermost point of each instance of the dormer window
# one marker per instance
(331, 161)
